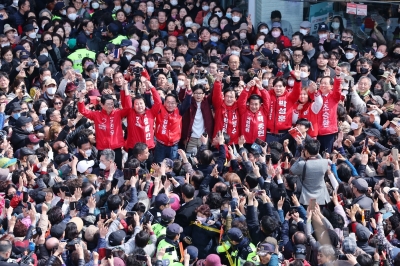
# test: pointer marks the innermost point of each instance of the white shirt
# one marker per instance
(198, 123)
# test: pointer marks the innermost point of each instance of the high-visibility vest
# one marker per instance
(171, 256)
(118, 40)
(236, 259)
(77, 57)
(159, 230)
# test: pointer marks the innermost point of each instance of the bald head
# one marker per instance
(51, 243)
(234, 62)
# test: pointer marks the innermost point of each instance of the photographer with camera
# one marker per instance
(71, 76)
(163, 67)
(5, 253)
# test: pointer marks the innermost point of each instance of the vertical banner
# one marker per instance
(351, 9)
(318, 14)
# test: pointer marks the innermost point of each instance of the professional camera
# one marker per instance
(72, 110)
(201, 60)
(30, 64)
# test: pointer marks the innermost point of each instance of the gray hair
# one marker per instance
(367, 78)
(345, 65)
(327, 251)
(108, 154)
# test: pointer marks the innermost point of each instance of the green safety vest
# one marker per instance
(159, 230)
(237, 260)
(118, 40)
(77, 57)
(55, 17)
(171, 256)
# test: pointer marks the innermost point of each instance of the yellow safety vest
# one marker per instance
(171, 256)
(159, 230)
(78, 55)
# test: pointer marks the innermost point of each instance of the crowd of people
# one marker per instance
(174, 132)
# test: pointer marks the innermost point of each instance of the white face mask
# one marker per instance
(265, 30)
(29, 129)
(95, 5)
(94, 75)
(129, 57)
(116, 8)
(46, 54)
(235, 19)
(32, 35)
(290, 82)
(88, 153)
(353, 126)
(37, 146)
(235, 53)
(63, 12)
(219, 14)
(51, 90)
(242, 35)
(349, 56)
(206, 8)
(335, 25)
(379, 55)
(15, 2)
(181, 83)
(201, 219)
(276, 34)
(265, 82)
(145, 48)
(214, 38)
(303, 75)
(5, 44)
(391, 131)
(303, 31)
(323, 36)
(102, 166)
(263, 71)
(43, 110)
(150, 64)
(127, 10)
(188, 24)
(260, 42)
(345, 92)
(72, 16)
(173, 2)
(150, 9)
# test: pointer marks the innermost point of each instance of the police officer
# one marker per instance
(238, 248)
(161, 202)
(171, 243)
(80, 53)
(167, 218)
(192, 251)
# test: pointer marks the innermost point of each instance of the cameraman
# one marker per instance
(5, 253)
(71, 77)
(163, 66)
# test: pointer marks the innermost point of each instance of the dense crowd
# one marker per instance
(179, 133)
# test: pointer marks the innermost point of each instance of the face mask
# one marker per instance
(379, 55)
(345, 92)
(181, 83)
(173, 2)
(303, 31)
(48, 42)
(235, 53)
(5, 44)
(37, 30)
(290, 83)
(129, 57)
(29, 129)
(205, 8)
(303, 75)
(364, 70)
(150, 64)
(37, 146)
(349, 56)
(16, 116)
(345, 43)
(201, 219)
(145, 48)
(102, 166)
(214, 38)
(51, 90)
(381, 71)
(265, 31)
(397, 56)
(15, 2)
(43, 110)
(95, 5)
(188, 24)
(46, 54)
(150, 9)
(94, 75)
(72, 16)
(260, 42)
(353, 126)
(88, 153)
(276, 34)
(219, 14)
(335, 25)
(391, 131)
(242, 35)
(263, 71)
(228, 15)
(63, 12)
(235, 19)
(323, 36)
(265, 82)
(116, 8)
(32, 35)
(127, 9)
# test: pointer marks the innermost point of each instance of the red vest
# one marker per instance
(308, 114)
(327, 117)
(281, 109)
(168, 127)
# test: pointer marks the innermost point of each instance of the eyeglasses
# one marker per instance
(58, 103)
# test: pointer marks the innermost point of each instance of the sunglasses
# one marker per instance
(58, 103)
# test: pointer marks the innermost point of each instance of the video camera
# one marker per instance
(201, 60)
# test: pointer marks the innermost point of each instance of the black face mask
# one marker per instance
(381, 71)
(384, 101)
(345, 43)
(370, 102)
(48, 42)
(396, 55)
(363, 70)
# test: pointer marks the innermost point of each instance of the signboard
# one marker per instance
(361, 10)
(318, 14)
(351, 9)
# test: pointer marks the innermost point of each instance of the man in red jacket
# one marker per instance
(253, 117)
(327, 117)
(108, 124)
(140, 118)
(281, 106)
(169, 126)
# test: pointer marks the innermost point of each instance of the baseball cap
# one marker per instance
(300, 252)
(126, 43)
(362, 233)
(162, 199)
(373, 132)
(235, 234)
(322, 27)
(246, 49)
(351, 47)
(378, 99)
(50, 82)
(113, 28)
(6, 162)
(174, 229)
(57, 230)
(193, 253)
(276, 25)
(28, 27)
(193, 37)
(305, 24)
(78, 222)
(116, 237)
(360, 184)
(265, 248)
(42, 59)
(168, 214)
(15, 107)
(24, 54)
(60, 158)
(81, 39)
(84, 165)
(23, 120)
(168, 162)
(236, 9)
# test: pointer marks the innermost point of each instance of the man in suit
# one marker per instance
(186, 213)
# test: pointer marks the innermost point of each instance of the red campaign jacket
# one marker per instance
(253, 125)
(108, 127)
(311, 114)
(327, 117)
(226, 117)
(141, 126)
(169, 125)
(281, 109)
